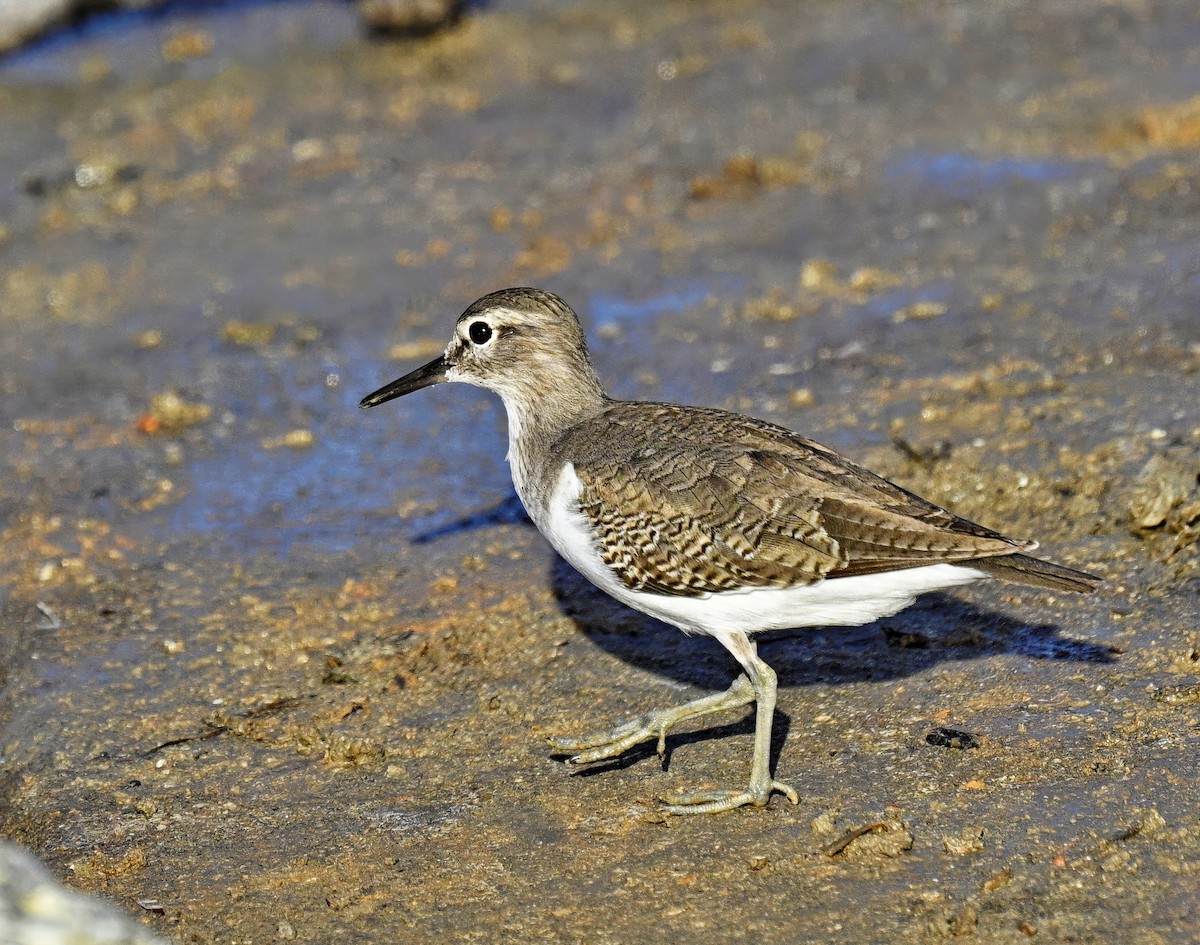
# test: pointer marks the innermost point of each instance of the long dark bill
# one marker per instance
(432, 373)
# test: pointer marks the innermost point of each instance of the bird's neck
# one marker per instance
(536, 421)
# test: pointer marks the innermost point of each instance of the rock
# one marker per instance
(23, 20)
(411, 17)
(36, 909)
(1163, 483)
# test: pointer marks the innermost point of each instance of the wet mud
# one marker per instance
(287, 669)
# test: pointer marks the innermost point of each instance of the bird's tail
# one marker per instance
(1034, 572)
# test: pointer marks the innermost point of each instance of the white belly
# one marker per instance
(847, 602)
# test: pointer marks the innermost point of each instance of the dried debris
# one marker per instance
(1177, 695)
(968, 841)
(1163, 484)
(1165, 496)
(170, 412)
(881, 840)
(744, 174)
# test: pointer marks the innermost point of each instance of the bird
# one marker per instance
(714, 522)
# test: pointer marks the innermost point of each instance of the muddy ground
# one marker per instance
(284, 670)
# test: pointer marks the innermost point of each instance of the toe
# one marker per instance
(716, 802)
(705, 802)
(786, 790)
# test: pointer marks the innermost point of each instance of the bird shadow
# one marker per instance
(508, 511)
(936, 629)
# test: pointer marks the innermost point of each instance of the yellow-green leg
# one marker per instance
(758, 792)
(758, 685)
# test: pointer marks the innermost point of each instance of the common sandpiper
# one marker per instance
(714, 522)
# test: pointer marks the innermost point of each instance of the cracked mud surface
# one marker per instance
(288, 668)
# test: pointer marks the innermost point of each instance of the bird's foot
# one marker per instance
(605, 745)
(652, 725)
(717, 802)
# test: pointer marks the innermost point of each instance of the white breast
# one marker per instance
(846, 602)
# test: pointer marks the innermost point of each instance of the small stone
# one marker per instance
(149, 339)
(501, 219)
(187, 44)
(416, 350)
(963, 922)
(1163, 483)
(870, 279)
(248, 334)
(802, 397)
(438, 248)
(169, 411)
(94, 69)
(825, 823)
(962, 844)
(906, 640)
(293, 439)
(919, 311)
(93, 175)
(1177, 695)
(818, 275)
(742, 168)
(410, 17)
(770, 307)
(309, 149)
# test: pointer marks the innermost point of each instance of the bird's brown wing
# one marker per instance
(755, 505)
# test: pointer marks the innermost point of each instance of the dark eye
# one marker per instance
(480, 332)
